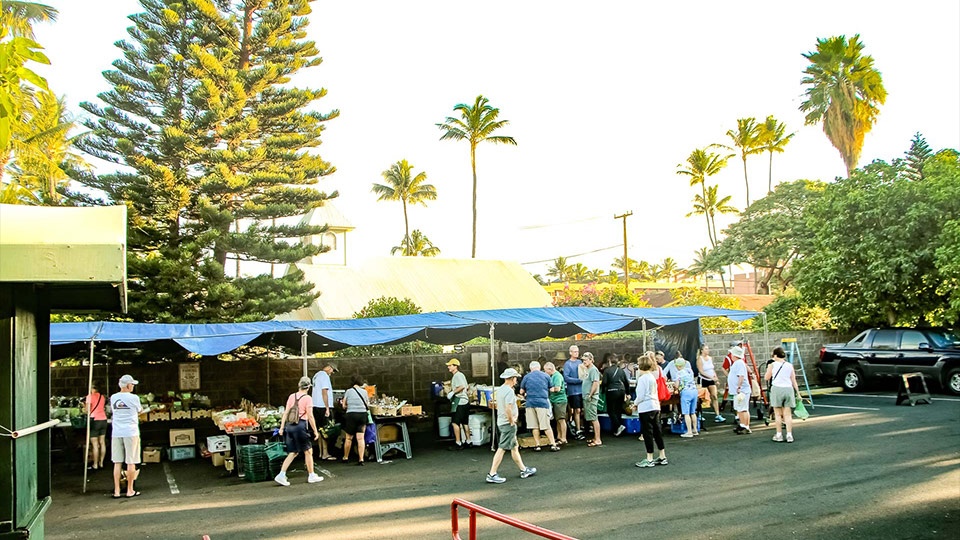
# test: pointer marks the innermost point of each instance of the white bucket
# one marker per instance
(444, 425)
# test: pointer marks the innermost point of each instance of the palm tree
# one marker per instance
(613, 277)
(773, 138)
(843, 91)
(18, 16)
(702, 164)
(746, 138)
(642, 270)
(476, 124)
(618, 264)
(710, 207)
(595, 275)
(669, 268)
(560, 270)
(700, 267)
(400, 186)
(43, 149)
(416, 245)
(578, 273)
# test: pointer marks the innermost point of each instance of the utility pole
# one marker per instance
(626, 261)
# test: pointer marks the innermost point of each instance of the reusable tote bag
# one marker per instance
(800, 411)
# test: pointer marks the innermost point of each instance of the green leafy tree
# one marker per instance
(401, 185)
(843, 91)
(883, 245)
(477, 123)
(592, 296)
(214, 147)
(416, 245)
(790, 311)
(691, 296)
(773, 233)
(18, 85)
(711, 206)
(773, 138)
(702, 164)
(748, 141)
(390, 306)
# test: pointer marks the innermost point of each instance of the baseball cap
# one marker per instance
(508, 373)
(305, 382)
(453, 362)
(736, 352)
(127, 379)
(736, 343)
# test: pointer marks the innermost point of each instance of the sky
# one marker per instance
(604, 99)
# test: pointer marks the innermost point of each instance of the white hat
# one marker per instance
(508, 373)
(736, 352)
(126, 380)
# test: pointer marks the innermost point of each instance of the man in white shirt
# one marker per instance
(125, 438)
(738, 382)
(322, 402)
(507, 414)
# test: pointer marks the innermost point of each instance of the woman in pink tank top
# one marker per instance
(98, 427)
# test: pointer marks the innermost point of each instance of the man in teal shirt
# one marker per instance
(558, 400)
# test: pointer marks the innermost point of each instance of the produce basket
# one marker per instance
(256, 466)
(275, 450)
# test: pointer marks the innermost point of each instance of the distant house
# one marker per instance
(432, 283)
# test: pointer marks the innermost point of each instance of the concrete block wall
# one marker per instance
(404, 377)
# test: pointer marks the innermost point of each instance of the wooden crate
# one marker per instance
(411, 410)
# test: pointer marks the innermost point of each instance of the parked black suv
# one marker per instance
(884, 352)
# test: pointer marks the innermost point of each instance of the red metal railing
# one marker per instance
(516, 523)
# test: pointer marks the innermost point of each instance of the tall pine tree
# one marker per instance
(917, 156)
(214, 144)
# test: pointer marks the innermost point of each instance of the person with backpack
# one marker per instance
(297, 416)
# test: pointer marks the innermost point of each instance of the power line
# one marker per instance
(575, 256)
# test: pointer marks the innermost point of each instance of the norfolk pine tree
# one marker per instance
(213, 145)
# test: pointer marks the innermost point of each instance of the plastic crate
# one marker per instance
(180, 453)
(680, 426)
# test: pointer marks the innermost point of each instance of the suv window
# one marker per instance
(911, 340)
(885, 339)
(859, 340)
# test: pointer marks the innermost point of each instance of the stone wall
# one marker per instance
(402, 376)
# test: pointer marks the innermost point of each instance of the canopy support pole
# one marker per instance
(413, 376)
(643, 325)
(303, 350)
(268, 379)
(493, 381)
(86, 447)
(766, 334)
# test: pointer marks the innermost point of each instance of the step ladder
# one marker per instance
(793, 356)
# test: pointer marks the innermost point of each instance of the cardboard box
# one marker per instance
(202, 413)
(183, 437)
(181, 453)
(218, 443)
(411, 410)
(526, 441)
(151, 454)
(178, 415)
(159, 416)
(219, 458)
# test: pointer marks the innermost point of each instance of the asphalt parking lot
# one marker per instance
(860, 467)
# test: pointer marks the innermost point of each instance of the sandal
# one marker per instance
(554, 448)
(135, 494)
(329, 458)
(593, 444)
(537, 449)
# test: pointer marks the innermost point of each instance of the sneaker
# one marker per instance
(495, 479)
(719, 418)
(645, 464)
(528, 472)
(661, 461)
(745, 429)
(620, 431)
(789, 437)
(687, 435)
(282, 479)
(581, 436)
(778, 437)
(738, 430)
(313, 478)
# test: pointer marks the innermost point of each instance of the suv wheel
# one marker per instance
(851, 379)
(953, 381)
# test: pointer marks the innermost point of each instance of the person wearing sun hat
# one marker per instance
(507, 415)
(459, 406)
(125, 438)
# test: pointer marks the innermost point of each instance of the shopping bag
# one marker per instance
(800, 411)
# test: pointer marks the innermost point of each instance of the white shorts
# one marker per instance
(125, 450)
(741, 402)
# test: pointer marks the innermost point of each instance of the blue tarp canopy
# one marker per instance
(442, 328)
